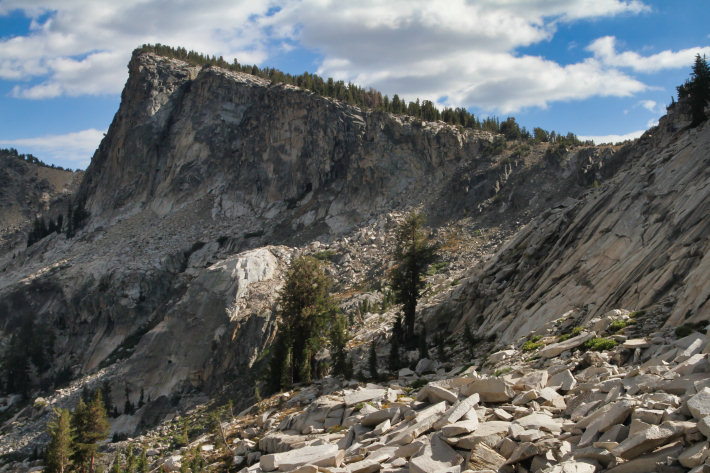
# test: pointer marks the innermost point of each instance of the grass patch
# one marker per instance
(325, 255)
(600, 344)
(437, 267)
(502, 371)
(531, 346)
(617, 325)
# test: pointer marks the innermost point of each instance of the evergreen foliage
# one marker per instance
(90, 423)
(338, 340)
(413, 254)
(61, 439)
(696, 90)
(30, 351)
(306, 312)
(394, 361)
(29, 158)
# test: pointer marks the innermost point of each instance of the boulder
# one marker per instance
(458, 410)
(484, 457)
(377, 417)
(490, 390)
(320, 455)
(554, 349)
(699, 405)
(425, 365)
(172, 463)
(537, 379)
(704, 426)
(436, 457)
(540, 421)
(695, 455)
(459, 428)
(648, 462)
(363, 395)
(434, 393)
(646, 440)
(489, 433)
(572, 467)
(564, 380)
(522, 452)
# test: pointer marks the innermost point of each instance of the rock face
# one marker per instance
(638, 241)
(26, 191)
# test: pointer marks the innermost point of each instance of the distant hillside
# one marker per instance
(28, 187)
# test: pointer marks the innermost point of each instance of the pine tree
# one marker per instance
(116, 465)
(306, 311)
(91, 424)
(143, 466)
(130, 460)
(61, 437)
(413, 255)
(338, 340)
(696, 90)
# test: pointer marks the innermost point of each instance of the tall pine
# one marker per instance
(61, 437)
(91, 424)
(413, 254)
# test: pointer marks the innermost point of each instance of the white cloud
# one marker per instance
(465, 51)
(613, 138)
(70, 150)
(604, 50)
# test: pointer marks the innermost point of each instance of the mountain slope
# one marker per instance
(640, 241)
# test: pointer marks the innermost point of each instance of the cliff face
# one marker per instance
(28, 190)
(260, 150)
(640, 241)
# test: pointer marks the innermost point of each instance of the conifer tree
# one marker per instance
(61, 437)
(143, 466)
(413, 254)
(338, 340)
(91, 424)
(116, 465)
(306, 311)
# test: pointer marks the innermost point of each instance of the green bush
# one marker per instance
(531, 345)
(501, 371)
(617, 325)
(564, 336)
(536, 338)
(600, 344)
(576, 331)
(683, 331)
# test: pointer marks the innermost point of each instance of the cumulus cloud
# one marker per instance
(71, 149)
(604, 50)
(464, 51)
(614, 138)
(79, 47)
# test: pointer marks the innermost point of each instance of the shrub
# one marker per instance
(617, 325)
(501, 371)
(683, 331)
(600, 344)
(418, 383)
(531, 345)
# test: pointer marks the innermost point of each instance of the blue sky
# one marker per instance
(603, 69)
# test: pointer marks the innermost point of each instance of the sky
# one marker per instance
(602, 69)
